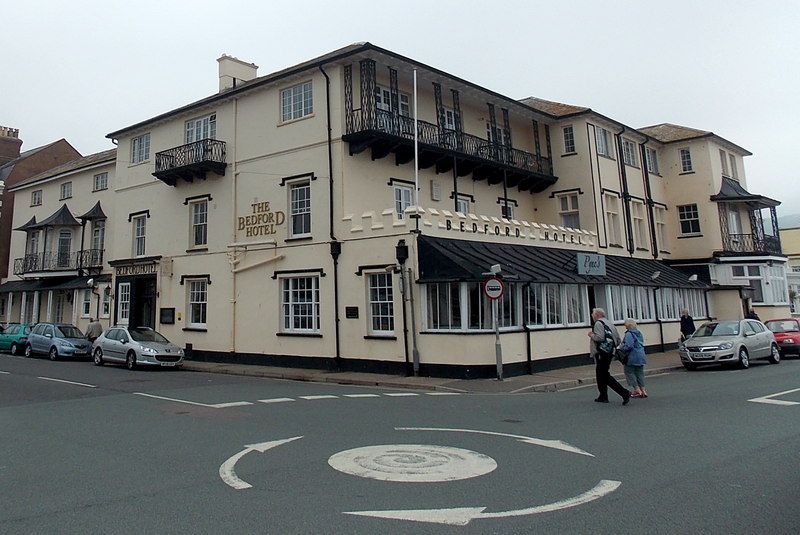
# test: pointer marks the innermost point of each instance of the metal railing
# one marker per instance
(751, 243)
(197, 152)
(58, 261)
(429, 134)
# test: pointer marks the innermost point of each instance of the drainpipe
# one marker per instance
(336, 246)
(529, 361)
(233, 224)
(658, 318)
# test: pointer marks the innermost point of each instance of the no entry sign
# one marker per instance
(494, 288)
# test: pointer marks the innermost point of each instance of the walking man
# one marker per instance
(604, 340)
(94, 330)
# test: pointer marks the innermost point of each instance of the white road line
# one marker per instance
(400, 394)
(576, 387)
(767, 399)
(5, 373)
(443, 393)
(275, 400)
(361, 395)
(67, 382)
(212, 406)
(311, 398)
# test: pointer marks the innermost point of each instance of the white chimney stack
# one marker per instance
(233, 72)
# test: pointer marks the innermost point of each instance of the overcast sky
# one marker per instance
(82, 69)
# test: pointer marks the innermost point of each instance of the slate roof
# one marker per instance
(6, 168)
(30, 224)
(671, 133)
(61, 218)
(96, 212)
(450, 260)
(74, 165)
(556, 109)
(732, 191)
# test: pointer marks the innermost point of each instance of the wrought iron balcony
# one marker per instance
(750, 244)
(385, 132)
(56, 261)
(190, 161)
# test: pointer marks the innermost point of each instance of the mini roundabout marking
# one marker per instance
(425, 463)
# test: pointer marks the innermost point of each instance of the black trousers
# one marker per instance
(604, 378)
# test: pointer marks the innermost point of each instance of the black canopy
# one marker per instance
(448, 260)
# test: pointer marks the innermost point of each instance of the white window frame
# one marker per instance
(507, 210)
(124, 303)
(723, 158)
(686, 161)
(652, 160)
(453, 291)
(198, 223)
(63, 248)
(66, 190)
(36, 197)
(403, 198)
(300, 209)
(748, 277)
(105, 305)
(604, 142)
(98, 234)
(463, 204)
(297, 101)
(196, 302)
(290, 305)
(201, 128)
(734, 168)
(380, 303)
(638, 219)
(687, 214)
(569, 139)
(139, 233)
(659, 215)
(86, 303)
(100, 182)
(383, 101)
(613, 220)
(570, 210)
(629, 153)
(140, 148)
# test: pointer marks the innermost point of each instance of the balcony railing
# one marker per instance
(751, 243)
(191, 161)
(429, 134)
(58, 261)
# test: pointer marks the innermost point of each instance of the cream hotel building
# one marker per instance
(274, 223)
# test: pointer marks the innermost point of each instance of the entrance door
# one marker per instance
(143, 305)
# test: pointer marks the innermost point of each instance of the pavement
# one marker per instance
(545, 381)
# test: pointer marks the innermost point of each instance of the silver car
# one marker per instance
(729, 342)
(136, 346)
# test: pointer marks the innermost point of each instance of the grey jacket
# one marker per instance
(599, 334)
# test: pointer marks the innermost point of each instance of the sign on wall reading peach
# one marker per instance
(262, 222)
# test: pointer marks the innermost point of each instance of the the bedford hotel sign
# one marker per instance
(505, 230)
(262, 221)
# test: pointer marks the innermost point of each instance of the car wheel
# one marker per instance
(28, 351)
(53, 354)
(130, 360)
(14, 348)
(689, 367)
(98, 357)
(775, 356)
(744, 359)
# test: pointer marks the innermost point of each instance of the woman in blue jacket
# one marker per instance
(633, 347)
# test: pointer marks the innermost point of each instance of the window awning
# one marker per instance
(60, 283)
(449, 260)
(732, 191)
(95, 213)
(31, 224)
(61, 218)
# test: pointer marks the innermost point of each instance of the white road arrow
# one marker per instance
(553, 444)
(226, 469)
(461, 516)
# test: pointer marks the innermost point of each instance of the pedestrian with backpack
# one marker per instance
(633, 358)
(604, 341)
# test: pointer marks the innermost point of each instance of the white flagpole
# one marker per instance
(416, 151)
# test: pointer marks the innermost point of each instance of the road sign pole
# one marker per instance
(498, 349)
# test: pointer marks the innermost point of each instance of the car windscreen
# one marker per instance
(721, 328)
(68, 331)
(785, 326)
(147, 335)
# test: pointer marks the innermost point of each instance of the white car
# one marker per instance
(134, 346)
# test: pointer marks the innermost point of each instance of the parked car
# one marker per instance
(730, 342)
(787, 334)
(57, 340)
(14, 337)
(134, 346)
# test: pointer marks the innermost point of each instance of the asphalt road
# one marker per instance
(141, 452)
